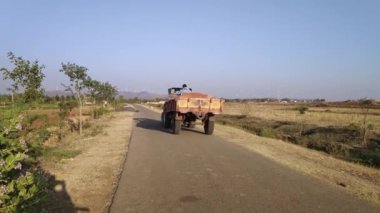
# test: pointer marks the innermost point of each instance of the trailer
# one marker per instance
(183, 110)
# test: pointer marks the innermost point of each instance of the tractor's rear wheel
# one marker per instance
(165, 120)
(176, 125)
(209, 127)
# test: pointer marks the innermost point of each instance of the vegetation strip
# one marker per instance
(341, 142)
(35, 128)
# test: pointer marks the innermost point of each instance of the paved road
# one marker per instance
(193, 172)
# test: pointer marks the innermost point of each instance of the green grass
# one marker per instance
(266, 133)
(57, 154)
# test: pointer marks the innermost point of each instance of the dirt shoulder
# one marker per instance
(359, 180)
(87, 182)
(364, 182)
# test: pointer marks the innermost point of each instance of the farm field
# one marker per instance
(321, 116)
(331, 129)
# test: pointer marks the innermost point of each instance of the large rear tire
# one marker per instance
(176, 126)
(209, 127)
(163, 119)
(166, 120)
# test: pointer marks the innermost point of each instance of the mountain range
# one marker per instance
(126, 94)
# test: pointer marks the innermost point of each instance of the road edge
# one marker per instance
(115, 184)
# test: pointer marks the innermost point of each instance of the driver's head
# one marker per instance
(184, 85)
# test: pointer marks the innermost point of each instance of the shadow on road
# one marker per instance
(192, 130)
(151, 124)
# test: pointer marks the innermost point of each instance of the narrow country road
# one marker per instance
(193, 172)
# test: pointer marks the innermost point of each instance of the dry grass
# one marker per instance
(88, 181)
(361, 181)
(321, 116)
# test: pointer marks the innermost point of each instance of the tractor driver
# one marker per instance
(185, 89)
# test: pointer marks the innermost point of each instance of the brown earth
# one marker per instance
(87, 182)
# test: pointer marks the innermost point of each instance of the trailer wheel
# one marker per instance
(163, 119)
(176, 126)
(209, 127)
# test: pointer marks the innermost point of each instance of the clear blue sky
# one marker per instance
(296, 48)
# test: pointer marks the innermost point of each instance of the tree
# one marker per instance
(93, 87)
(77, 75)
(27, 76)
(107, 92)
(12, 94)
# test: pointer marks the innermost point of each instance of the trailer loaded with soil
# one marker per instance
(183, 110)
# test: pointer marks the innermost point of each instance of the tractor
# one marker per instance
(183, 110)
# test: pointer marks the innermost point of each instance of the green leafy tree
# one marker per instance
(94, 88)
(77, 76)
(108, 92)
(26, 76)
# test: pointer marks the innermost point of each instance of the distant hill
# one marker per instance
(128, 95)
(141, 95)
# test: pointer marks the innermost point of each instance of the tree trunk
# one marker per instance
(365, 127)
(80, 116)
(13, 100)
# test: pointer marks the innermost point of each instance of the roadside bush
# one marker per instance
(365, 156)
(266, 133)
(98, 112)
(86, 125)
(302, 109)
(31, 118)
(43, 135)
(64, 110)
(22, 187)
(96, 130)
